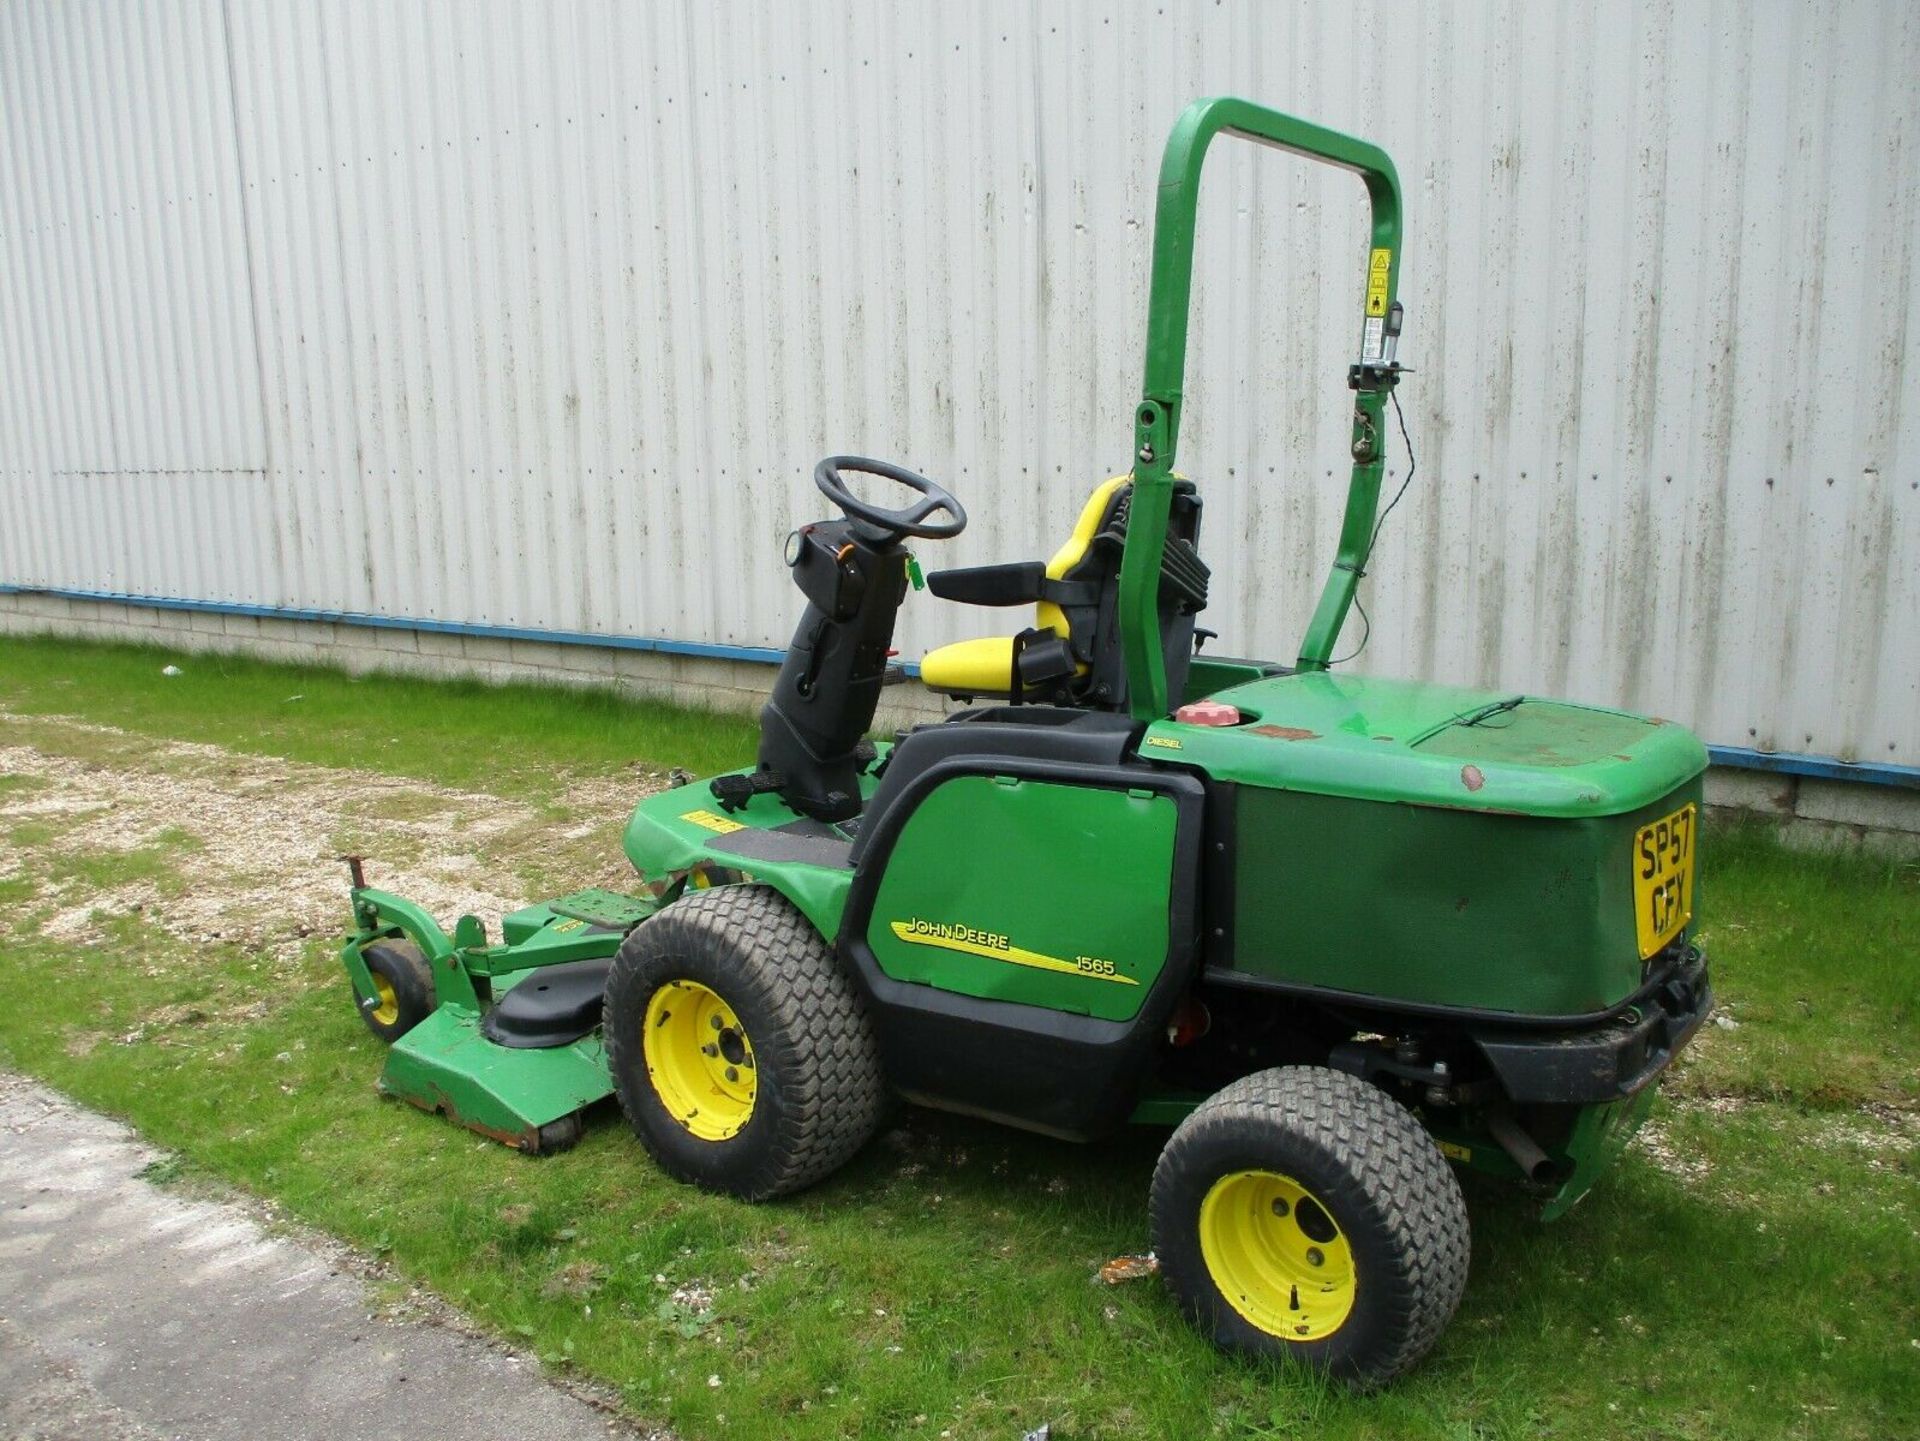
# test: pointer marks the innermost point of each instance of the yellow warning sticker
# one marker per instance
(719, 825)
(1378, 269)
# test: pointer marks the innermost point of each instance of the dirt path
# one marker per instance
(213, 845)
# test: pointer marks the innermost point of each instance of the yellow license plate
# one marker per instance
(1663, 878)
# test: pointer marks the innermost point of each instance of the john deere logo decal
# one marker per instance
(995, 947)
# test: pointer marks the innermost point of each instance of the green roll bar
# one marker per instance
(1157, 418)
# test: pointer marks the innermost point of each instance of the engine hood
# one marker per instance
(1379, 739)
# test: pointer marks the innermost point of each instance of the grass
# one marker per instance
(507, 740)
(1759, 1283)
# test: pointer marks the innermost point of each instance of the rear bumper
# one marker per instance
(1608, 1062)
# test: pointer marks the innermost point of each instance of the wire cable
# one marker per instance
(1360, 572)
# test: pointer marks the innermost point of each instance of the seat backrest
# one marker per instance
(1091, 555)
(1094, 516)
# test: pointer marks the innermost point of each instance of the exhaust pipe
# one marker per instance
(1536, 1164)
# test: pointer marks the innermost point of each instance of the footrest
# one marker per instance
(553, 1006)
(603, 908)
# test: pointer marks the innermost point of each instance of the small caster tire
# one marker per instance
(556, 1136)
(403, 988)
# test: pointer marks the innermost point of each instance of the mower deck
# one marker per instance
(515, 1096)
(510, 1044)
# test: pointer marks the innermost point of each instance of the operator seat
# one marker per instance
(1071, 655)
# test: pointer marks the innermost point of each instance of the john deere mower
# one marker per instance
(1342, 934)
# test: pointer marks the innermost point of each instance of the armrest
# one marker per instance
(1017, 583)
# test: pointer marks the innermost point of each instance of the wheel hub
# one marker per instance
(699, 1060)
(388, 1011)
(1277, 1255)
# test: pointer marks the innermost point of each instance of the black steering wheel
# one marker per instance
(894, 523)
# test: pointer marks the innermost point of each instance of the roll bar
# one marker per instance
(1157, 417)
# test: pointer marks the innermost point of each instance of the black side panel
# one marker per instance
(1065, 1075)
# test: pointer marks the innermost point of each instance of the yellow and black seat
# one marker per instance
(1071, 654)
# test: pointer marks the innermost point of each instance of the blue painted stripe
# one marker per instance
(1826, 768)
(762, 654)
(1880, 773)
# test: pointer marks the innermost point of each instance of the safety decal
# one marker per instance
(1377, 271)
(719, 825)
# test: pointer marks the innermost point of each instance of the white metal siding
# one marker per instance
(538, 315)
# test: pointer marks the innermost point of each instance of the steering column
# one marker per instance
(853, 572)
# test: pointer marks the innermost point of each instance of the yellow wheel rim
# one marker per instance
(388, 1011)
(1277, 1255)
(699, 1060)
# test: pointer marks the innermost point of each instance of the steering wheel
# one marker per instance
(895, 524)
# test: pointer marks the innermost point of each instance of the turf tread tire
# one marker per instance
(1367, 1157)
(820, 1090)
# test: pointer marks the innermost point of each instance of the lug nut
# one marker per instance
(1314, 1256)
(733, 1073)
(1280, 1206)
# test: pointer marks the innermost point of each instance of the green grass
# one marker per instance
(507, 740)
(942, 1282)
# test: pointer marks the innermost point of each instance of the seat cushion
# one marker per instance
(971, 667)
(975, 667)
(985, 666)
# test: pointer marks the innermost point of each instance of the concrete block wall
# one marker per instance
(700, 682)
(1813, 813)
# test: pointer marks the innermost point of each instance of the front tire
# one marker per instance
(1302, 1212)
(740, 1050)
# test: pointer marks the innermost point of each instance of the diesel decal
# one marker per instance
(994, 947)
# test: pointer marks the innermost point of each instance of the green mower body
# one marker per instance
(1457, 868)
(1336, 930)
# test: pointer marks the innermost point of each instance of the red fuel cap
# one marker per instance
(1208, 713)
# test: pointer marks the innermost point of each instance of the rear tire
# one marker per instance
(1302, 1212)
(403, 988)
(740, 1050)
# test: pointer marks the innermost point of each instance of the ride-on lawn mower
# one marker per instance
(1336, 931)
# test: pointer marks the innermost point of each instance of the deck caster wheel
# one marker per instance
(556, 1136)
(740, 1051)
(402, 985)
(1302, 1212)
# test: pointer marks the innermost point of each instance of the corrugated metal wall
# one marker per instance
(537, 315)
